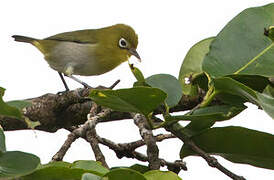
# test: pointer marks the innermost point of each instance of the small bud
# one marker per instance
(269, 32)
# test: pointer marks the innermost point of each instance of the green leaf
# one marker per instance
(2, 141)
(66, 171)
(140, 168)
(19, 104)
(55, 173)
(230, 86)
(269, 90)
(241, 47)
(89, 176)
(7, 110)
(236, 144)
(90, 165)
(257, 83)
(192, 64)
(137, 73)
(16, 163)
(267, 103)
(123, 173)
(207, 116)
(161, 175)
(169, 84)
(138, 99)
(215, 113)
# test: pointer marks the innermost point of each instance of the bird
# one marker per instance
(87, 52)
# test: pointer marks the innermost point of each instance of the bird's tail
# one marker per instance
(23, 39)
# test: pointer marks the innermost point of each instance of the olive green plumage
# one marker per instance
(87, 52)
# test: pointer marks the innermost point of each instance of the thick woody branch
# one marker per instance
(56, 111)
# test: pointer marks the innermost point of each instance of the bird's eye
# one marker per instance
(122, 43)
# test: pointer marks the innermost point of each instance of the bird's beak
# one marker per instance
(134, 53)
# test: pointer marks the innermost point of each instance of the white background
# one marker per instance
(166, 29)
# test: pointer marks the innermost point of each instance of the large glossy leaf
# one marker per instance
(169, 84)
(241, 47)
(230, 86)
(237, 144)
(269, 90)
(257, 83)
(66, 171)
(2, 141)
(90, 165)
(139, 99)
(192, 64)
(161, 175)
(267, 103)
(212, 113)
(89, 176)
(123, 173)
(7, 110)
(16, 163)
(140, 168)
(207, 116)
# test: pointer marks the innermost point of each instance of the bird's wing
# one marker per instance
(82, 36)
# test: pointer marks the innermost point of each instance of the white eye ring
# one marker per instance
(122, 43)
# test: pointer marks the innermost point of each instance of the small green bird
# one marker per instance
(87, 52)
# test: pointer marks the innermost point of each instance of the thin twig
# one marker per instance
(81, 131)
(128, 150)
(146, 134)
(63, 150)
(176, 129)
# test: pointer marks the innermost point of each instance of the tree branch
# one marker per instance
(176, 129)
(56, 111)
(149, 139)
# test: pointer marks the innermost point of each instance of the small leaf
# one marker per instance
(192, 64)
(90, 165)
(2, 141)
(270, 32)
(89, 176)
(16, 163)
(236, 144)
(123, 173)
(19, 104)
(138, 99)
(241, 47)
(140, 168)
(137, 73)
(169, 84)
(161, 175)
(7, 110)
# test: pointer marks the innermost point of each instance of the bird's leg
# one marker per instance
(63, 80)
(79, 81)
